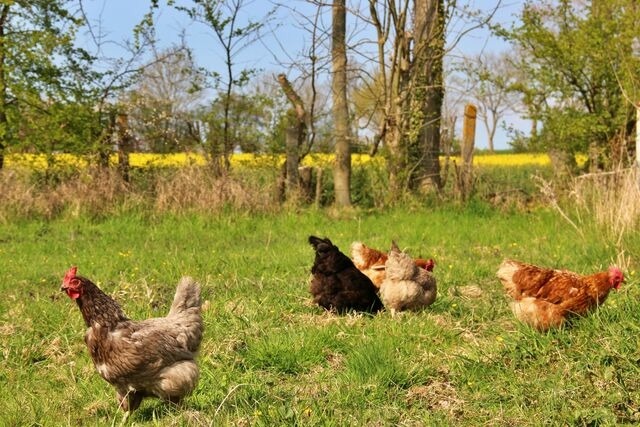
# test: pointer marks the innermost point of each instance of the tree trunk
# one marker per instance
(296, 134)
(396, 158)
(428, 89)
(291, 147)
(125, 145)
(3, 84)
(342, 166)
(399, 119)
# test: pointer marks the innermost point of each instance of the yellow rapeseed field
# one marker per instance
(146, 160)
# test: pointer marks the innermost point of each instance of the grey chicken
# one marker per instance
(153, 357)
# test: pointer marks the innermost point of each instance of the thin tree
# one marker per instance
(342, 166)
(490, 80)
(234, 36)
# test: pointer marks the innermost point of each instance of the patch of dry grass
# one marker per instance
(612, 199)
(197, 189)
(99, 192)
(606, 202)
(95, 191)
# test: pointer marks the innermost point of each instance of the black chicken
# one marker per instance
(337, 284)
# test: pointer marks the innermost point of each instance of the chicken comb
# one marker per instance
(70, 274)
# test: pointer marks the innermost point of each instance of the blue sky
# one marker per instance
(117, 18)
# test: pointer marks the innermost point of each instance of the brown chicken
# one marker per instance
(545, 298)
(153, 357)
(406, 286)
(336, 283)
(371, 262)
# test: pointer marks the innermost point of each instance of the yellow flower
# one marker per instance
(250, 160)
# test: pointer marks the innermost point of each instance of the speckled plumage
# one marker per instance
(153, 357)
(372, 262)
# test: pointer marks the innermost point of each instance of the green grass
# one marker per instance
(269, 357)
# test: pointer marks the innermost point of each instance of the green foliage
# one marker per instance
(576, 66)
(252, 120)
(45, 78)
(163, 102)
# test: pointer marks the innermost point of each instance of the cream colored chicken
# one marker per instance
(406, 286)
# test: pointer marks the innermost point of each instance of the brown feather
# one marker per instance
(546, 298)
(372, 262)
(406, 286)
(153, 357)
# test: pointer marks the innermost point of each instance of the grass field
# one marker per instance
(271, 358)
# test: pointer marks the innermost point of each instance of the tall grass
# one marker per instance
(607, 203)
(612, 199)
(101, 192)
(197, 189)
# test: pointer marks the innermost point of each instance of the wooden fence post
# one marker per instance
(468, 145)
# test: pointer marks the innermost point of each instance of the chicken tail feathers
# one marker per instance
(187, 297)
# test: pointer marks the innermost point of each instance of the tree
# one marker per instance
(392, 103)
(39, 67)
(342, 166)
(490, 80)
(250, 113)
(411, 47)
(428, 91)
(576, 61)
(163, 101)
(223, 18)
(104, 93)
(412, 89)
